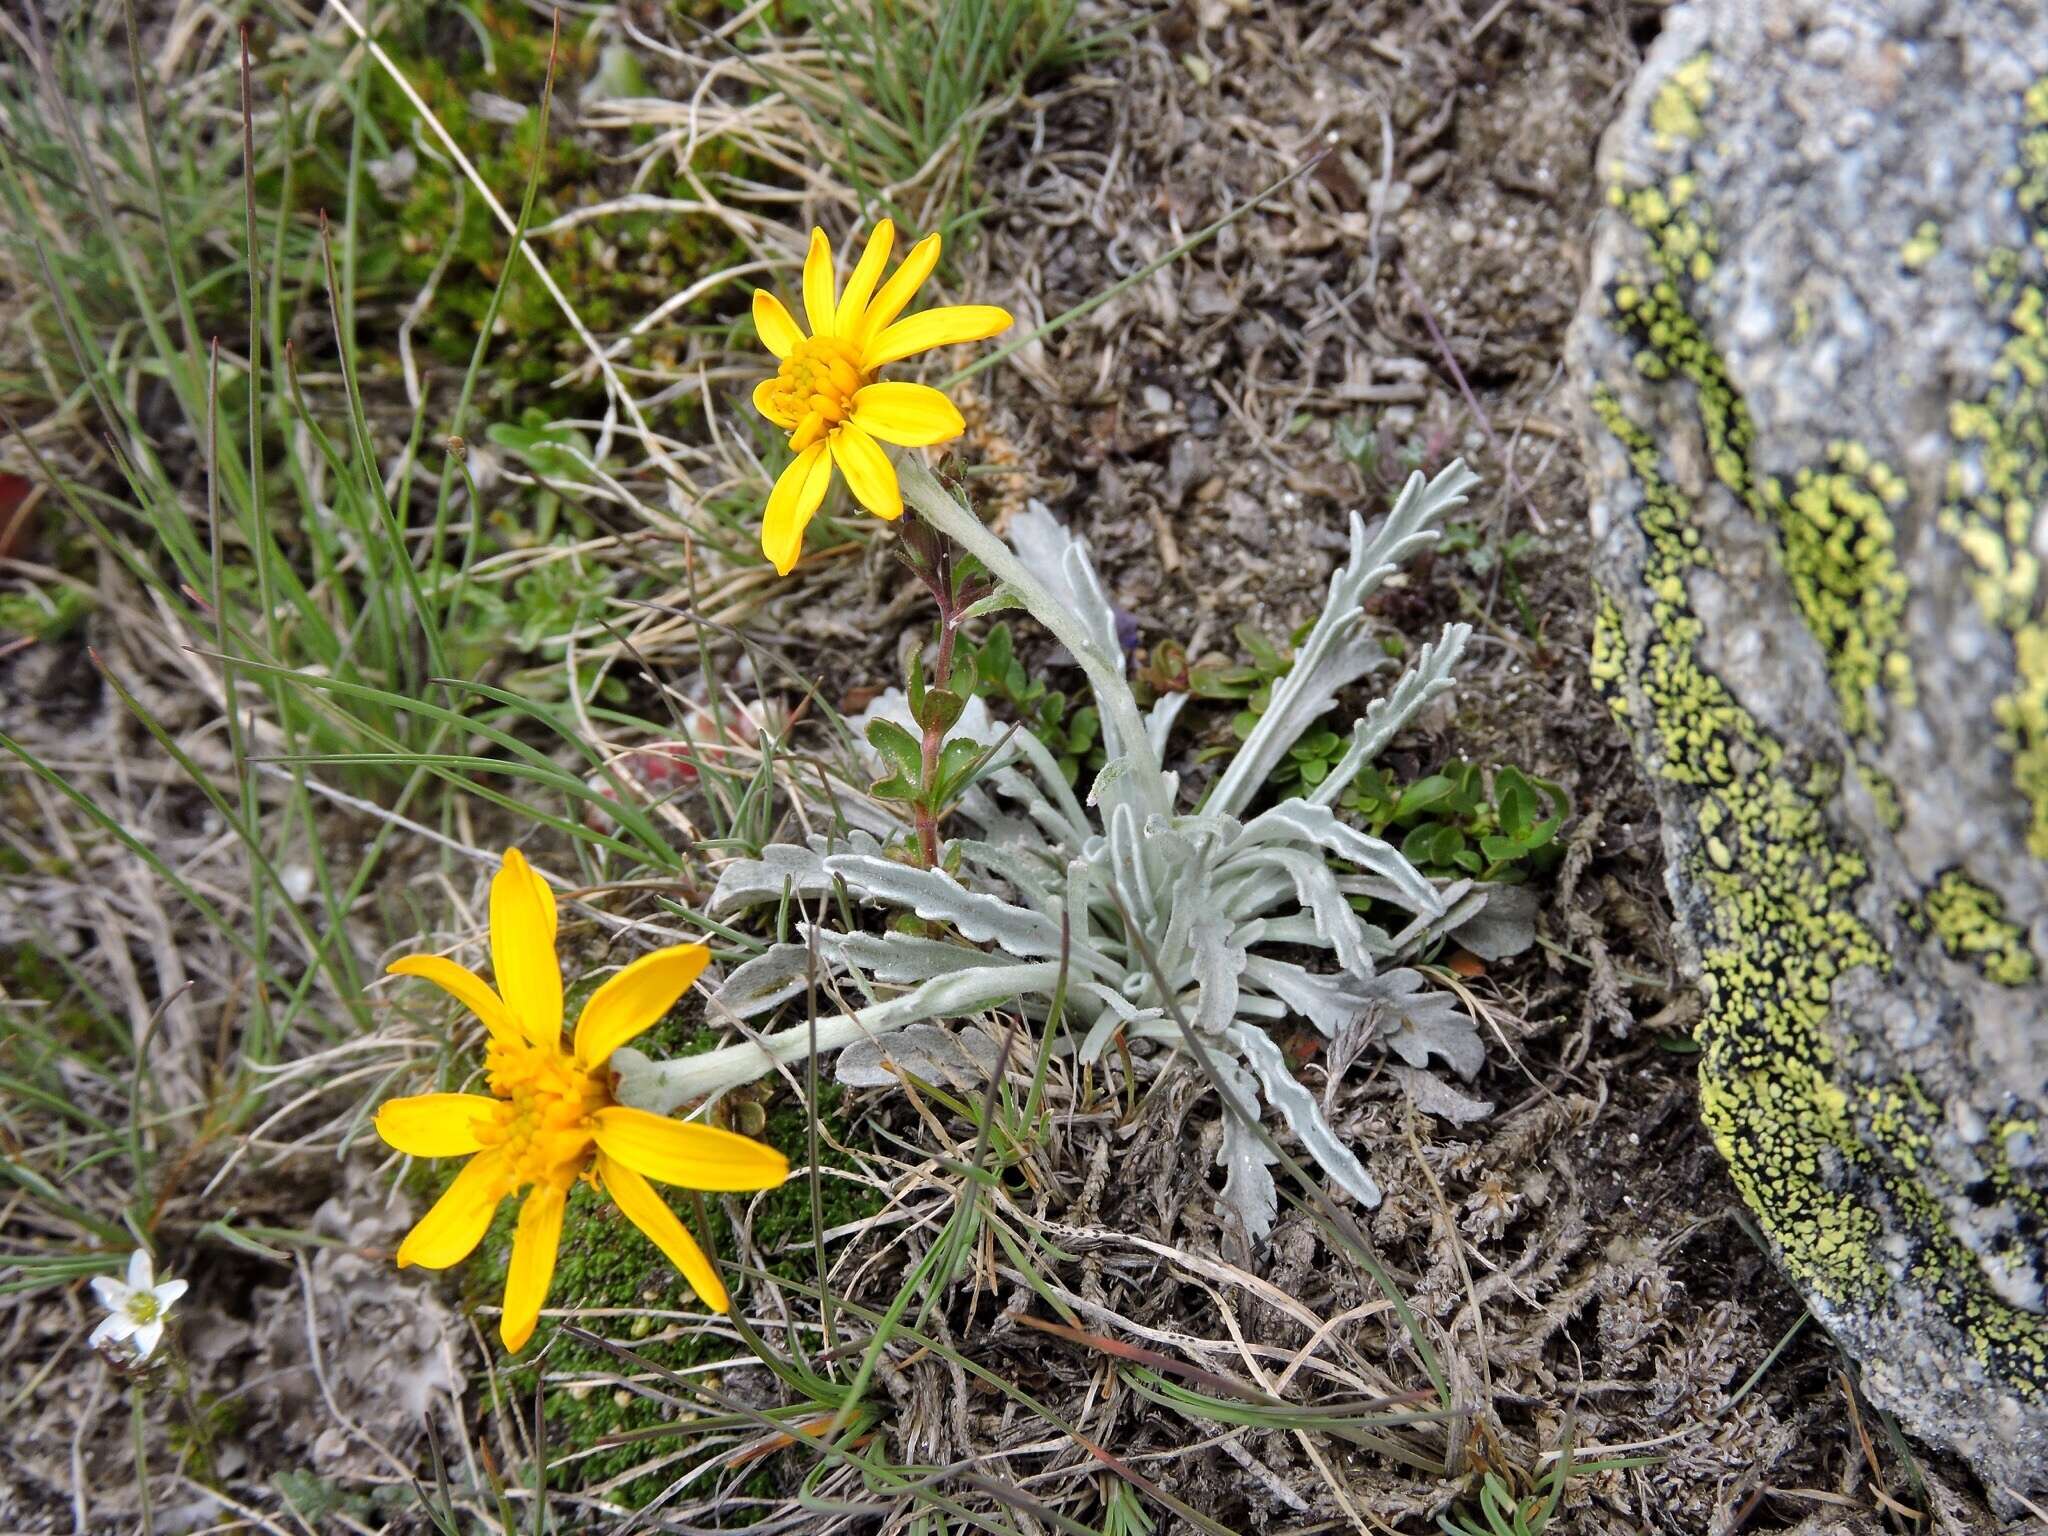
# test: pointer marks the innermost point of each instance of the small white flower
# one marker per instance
(136, 1309)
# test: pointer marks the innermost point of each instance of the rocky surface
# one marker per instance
(1813, 363)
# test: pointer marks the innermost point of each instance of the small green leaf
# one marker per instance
(1516, 806)
(898, 747)
(895, 787)
(1502, 849)
(1261, 649)
(940, 710)
(1419, 846)
(996, 602)
(913, 685)
(1421, 795)
(957, 759)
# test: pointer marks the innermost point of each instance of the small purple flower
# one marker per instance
(1127, 631)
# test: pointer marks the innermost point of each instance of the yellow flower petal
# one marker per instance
(465, 986)
(901, 288)
(942, 327)
(908, 415)
(534, 1245)
(451, 1230)
(868, 471)
(774, 324)
(434, 1124)
(681, 1152)
(764, 402)
(645, 1208)
(523, 948)
(861, 286)
(635, 998)
(797, 493)
(818, 300)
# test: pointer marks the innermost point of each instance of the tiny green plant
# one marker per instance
(1501, 1513)
(1453, 822)
(1074, 737)
(1486, 554)
(1380, 456)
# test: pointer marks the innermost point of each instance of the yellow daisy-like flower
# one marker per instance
(825, 395)
(550, 1119)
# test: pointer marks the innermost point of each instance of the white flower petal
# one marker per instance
(169, 1292)
(111, 1293)
(141, 1273)
(113, 1329)
(147, 1337)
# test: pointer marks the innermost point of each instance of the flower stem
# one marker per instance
(935, 567)
(945, 513)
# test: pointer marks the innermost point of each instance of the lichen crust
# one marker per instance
(1852, 1167)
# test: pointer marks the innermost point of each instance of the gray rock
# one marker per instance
(1814, 355)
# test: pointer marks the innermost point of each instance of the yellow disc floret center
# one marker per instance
(815, 386)
(543, 1129)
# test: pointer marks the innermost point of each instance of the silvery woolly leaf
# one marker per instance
(1297, 1106)
(1159, 721)
(1505, 926)
(1127, 868)
(1333, 1003)
(1021, 865)
(1336, 925)
(1429, 676)
(782, 867)
(1113, 1011)
(1433, 1096)
(1377, 551)
(774, 976)
(1060, 561)
(660, 1087)
(1218, 962)
(901, 959)
(1337, 650)
(937, 897)
(947, 1059)
(1303, 821)
(1422, 1021)
(1462, 901)
(1054, 795)
(1107, 778)
(1247, 1184)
